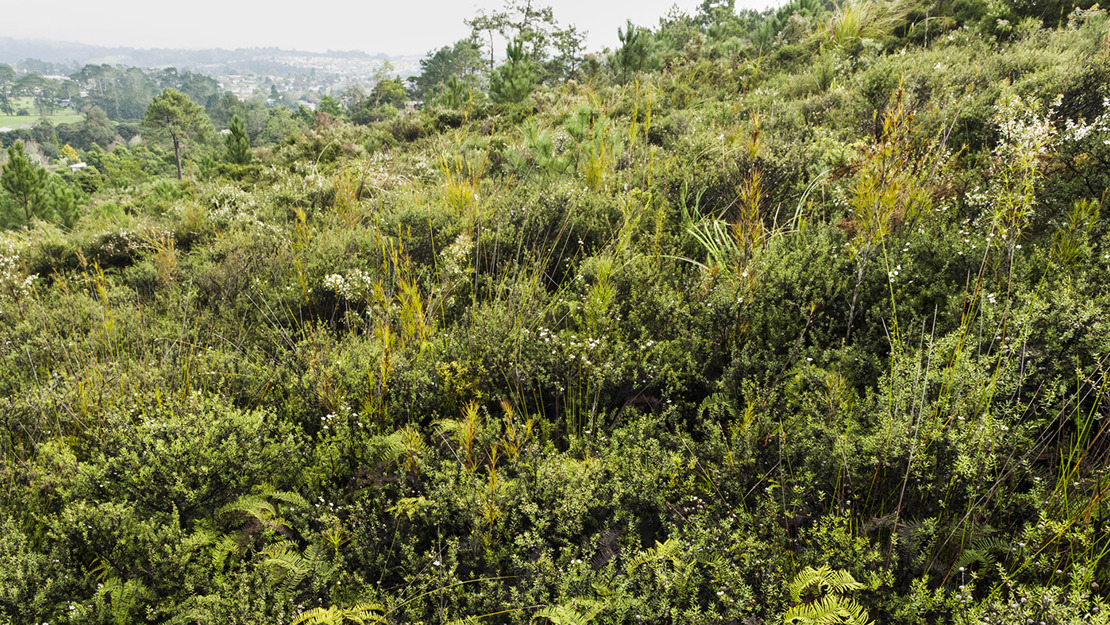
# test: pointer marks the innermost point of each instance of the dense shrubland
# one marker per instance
(803, 316)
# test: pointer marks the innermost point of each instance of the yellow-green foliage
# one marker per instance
(823, 589)
(807, 324)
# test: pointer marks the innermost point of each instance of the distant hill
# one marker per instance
(62, 57)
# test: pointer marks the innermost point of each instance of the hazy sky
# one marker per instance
(397, 27)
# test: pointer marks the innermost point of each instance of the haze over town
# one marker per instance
(395, 28)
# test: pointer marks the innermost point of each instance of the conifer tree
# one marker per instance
(636, 53)
(172, 114)
(515, 80)
(62, 201)
(238, 143)
(331, 106)
(24, 182)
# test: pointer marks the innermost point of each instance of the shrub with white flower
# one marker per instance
(1026, 133)
(356, 286)
(228, 204)
(14, 284)
(455, 258)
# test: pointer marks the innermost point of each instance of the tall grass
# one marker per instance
(856, 20)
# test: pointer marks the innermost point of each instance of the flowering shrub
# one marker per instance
(816, 322)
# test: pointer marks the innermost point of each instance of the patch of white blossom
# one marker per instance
(355, 286)
(228, 205)
(14, 283)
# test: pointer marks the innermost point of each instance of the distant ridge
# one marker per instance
(14, 51)
(70, 57)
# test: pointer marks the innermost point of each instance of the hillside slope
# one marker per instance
(805, 319)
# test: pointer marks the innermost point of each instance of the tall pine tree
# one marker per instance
(238, 143)
(174, 116)
(24, 182)
(515, 80)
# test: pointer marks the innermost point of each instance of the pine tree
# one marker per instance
(636, 53)
(25, 184)
(514, 80)
(238, 143)
(331, 106)
(62, 201)
(172, 114)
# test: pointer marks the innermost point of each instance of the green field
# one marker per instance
(62, 116)
(15, 121)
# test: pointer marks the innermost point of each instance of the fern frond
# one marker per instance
(970, 557)
(196, 610)
(387, 450)
(225, 547)
(414, 447)
(290, 567)
(280, 547)
(200, 538)
(669, 550)
(292, 499)
(855, 614)
(982, 551)
(362, 613)
(318, 616)
(121, 598)
(830, 608)
(365, 613)
(816, 613)
(448, 428)
(252, 506)
(286, 565)
(821, 580)
(261, 509)
(841, 581)
(566, 615)
(316, 559)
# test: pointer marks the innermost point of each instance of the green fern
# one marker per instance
(253, 507)
(226, 546)
(402, 448)
(829, 608)
(412, 442)
(387, 449)
(362, 613)
(289, 568)
(120, 599)
(982, 552)
(286, 565)
(669, 551)
(220, 545)
(197, 610)
(568, 615)
(823, 580)
(201, 537)
(292, 499)
(262, 509)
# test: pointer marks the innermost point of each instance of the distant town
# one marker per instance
(301, 77)
(292, 72)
